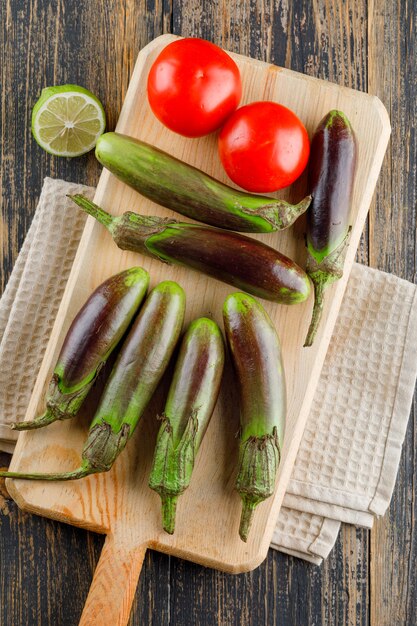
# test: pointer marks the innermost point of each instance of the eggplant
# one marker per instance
(189, 191)
(330, 181)
(139, 367)
(233, 258)
(94, 333)
(257, 360)
(190, 403)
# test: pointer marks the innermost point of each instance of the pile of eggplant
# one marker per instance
(146, 329)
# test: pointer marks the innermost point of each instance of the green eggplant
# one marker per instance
(139, 367)
(189, 191)
(330, 181)
(233, 258)
(93, 335)
(191, 400)
(256, 355)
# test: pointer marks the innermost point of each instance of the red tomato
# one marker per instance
(193, 87)
(264, 147)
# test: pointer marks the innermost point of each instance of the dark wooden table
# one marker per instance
(46, 567)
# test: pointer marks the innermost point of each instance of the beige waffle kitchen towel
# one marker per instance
(348, 458)
(305, 535)
(349, 455)
(30, 302)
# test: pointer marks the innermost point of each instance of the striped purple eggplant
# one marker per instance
(191, 400)
(256, 355)
(93, 335)
(189, 191)
(139, 367)
(233, 258)
(330, 181)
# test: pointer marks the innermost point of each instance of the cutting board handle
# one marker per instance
(112, 590)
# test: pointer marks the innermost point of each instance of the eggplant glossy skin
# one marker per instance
(331, 175)
(143, 357)
(330, 182)
(190, 403)
(94, 333)
(189, 191)
(99, 326)
(138, 369)
(257, 360)
(196, 381)
(234, 259)
(256, 355)
(227, 256)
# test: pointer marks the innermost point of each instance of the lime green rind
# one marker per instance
(54, 90)
(49, 92)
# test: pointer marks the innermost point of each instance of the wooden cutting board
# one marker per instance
(119, 503)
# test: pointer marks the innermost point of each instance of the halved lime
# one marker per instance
(67, 120)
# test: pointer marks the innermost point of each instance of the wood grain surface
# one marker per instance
(45, 567)
(120, 503)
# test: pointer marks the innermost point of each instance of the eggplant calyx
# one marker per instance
(333, 263)
(60, 406)
(323, 274)
(173, 466)
(103, 446)
(258, 466)
(280, 214)
(174, 462)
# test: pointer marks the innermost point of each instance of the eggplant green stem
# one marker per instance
(92, 209)
(319, 289)
(43, 420)
(169, 508)
(323, 274)
(249, 505)
(80, 472)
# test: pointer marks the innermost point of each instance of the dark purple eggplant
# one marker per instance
(233, 258)
(330, 182)
(140, 365)
(93, 335)
(256, 355)
(190, 403)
